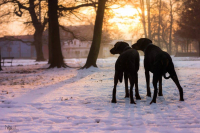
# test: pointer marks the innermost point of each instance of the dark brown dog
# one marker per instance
(159, 63)
(127, 63)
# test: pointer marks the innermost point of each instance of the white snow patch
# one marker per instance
(35, 99)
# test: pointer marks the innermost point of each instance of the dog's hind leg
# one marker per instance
(114, 89)
(155, 81)
(131, 89)
(126, 85)
(137, 95)
(160, 87)
(176, 81)
(147, 83)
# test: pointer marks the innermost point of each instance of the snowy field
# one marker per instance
(37, 100)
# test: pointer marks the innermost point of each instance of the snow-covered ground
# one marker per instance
(38, 100)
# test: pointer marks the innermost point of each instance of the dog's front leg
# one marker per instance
(155, 81)
(126, 85)
(160, 87)
(114, 89)
(147, 83)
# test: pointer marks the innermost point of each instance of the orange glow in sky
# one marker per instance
(126, 11)
(126, 17)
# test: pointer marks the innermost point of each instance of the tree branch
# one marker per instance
(12, 38)
(62, 8)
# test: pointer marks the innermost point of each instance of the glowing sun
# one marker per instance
(126, 17)
(126, 11)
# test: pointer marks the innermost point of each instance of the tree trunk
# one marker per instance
(159, 23)
(170, 30)
(167, 46)
(149, 18)
(94, 49)
(49, 45)
(0, 61)
(170, 40)
(187, 46)
(176, 48)
(143, 17)
(199, 48)
(38, 46)
(54, 35)
(39, 28)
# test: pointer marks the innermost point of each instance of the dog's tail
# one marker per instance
(161, 64)
(165, 63)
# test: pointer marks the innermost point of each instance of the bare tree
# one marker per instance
(94, 49)
(167, 28)
(55, 53)
(159, 22)
(143, 17)
(23, 7)
(54, 35)
(141, 5)
(189, 26)
(56, 57)
(149, 18)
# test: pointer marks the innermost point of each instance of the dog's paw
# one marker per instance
(126, 96)
(133, 102)
(181, 99)
(113, 101)
(153, 101)
(138, 97)
(149, 94)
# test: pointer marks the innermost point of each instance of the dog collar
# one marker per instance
(147, 46)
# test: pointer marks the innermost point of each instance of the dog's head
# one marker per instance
(119, 47)
(141, 44)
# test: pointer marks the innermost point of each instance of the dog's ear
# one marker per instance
(144, 41)
(121, 45)
(117, 45)
(147, 41)
(135, 46)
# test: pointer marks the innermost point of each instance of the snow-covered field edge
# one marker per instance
(72, 100)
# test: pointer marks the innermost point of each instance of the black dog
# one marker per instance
(127, 63)
(159, 63)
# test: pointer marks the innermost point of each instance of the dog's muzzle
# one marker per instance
(112, 51)
(133, 46)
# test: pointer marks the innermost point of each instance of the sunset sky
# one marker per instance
(126, 18)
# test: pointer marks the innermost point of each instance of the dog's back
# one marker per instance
(157, 60)
(159, 63)
(127, 62)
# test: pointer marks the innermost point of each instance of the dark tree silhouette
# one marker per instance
(39, 28)
(54, 36)
(149, 18)
(189, 21)
(62, 10)
(19, 9)
(95, 47)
